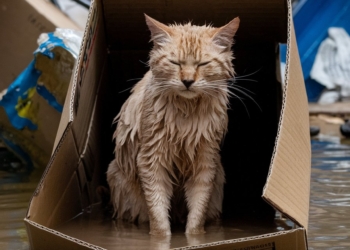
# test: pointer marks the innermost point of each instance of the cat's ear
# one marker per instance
(160, 33)
(223, 36)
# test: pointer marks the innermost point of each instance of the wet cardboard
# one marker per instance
(21, 24)
(266, 154)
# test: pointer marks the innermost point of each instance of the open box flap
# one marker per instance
(288, 184)
(65, 117)
(59, 181)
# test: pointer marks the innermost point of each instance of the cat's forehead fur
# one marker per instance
(190, 30)
(191, 40)
(188, 41)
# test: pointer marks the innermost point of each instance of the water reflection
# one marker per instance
(17, 183)
(329, 226)
(98, 229)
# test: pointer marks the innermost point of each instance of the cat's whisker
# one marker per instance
(215, 88)
(155, 78)
(248, 74)
(238, 86)
(145, 63)
(240, 90)
(161, 88)
(231, 94)
(219, 87)
(133, 79)
(244, 93)
(248, 80)
(240, 99)
(158, 91)
(125, 90)
(218, 81)
(229, 82)
(207, 93)
(235, 86)
(218, 90)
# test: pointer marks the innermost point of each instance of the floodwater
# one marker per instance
(329, 225)
(329, 222)
(16, 189)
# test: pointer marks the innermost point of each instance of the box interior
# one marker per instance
(115, 50)
(253, 125)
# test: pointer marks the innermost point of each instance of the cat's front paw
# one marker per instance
(160, 228)
(195, 230)
(159, 232)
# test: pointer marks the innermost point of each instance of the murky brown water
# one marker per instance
(329, 226)
(16, 189)
(100, 230)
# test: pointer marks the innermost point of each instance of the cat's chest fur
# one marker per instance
(179, 127)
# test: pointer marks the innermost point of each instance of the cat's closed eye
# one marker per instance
(203, 63)
(198, 65)
(176, 63)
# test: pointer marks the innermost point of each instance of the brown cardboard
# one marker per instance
(63, 212)
(21, 24)
(288, 184)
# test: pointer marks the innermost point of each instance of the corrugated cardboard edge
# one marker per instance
(288, 183)
(64, 129)
(240, 240)
(208, 245)
(65, 117)
(61, 235)
(65, 124)
(53, 14)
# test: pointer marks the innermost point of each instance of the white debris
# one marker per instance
(332, 65)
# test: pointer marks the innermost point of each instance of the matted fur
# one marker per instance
(168, 136)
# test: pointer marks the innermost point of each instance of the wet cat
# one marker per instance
(170, 129)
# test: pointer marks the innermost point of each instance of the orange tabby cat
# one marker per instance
(170, 129)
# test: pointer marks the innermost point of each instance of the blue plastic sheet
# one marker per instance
(25, 132)
(17, 97)
(312, 18)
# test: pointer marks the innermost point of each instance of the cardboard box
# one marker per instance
(22, 22)
(266, 155)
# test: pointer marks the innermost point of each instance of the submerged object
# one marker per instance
(314, 130)
(345, 129)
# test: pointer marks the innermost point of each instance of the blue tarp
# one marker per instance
(16, 99)
(18, 93)
(312, 18)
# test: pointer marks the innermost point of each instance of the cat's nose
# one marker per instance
(187, 83)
